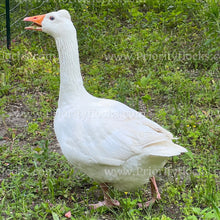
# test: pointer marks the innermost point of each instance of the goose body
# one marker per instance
(109, 141)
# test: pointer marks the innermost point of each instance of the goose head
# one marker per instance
(57, 24)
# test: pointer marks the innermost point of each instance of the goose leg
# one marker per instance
(154, 192)
(107, 199)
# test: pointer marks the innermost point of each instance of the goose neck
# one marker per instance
(71, 82)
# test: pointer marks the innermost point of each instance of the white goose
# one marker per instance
(112, 143)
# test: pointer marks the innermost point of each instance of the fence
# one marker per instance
(10, 19)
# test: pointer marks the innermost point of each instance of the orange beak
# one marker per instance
(37, 22)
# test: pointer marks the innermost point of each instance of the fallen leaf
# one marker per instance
(68, 214)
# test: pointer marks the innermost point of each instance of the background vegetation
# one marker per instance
(159, 57)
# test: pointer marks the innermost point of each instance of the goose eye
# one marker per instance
(52, 18)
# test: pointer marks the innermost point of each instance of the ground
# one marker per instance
(160, 58)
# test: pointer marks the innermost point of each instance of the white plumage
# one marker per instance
(99, 135)
(106, 139)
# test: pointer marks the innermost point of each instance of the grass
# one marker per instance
(159, 57)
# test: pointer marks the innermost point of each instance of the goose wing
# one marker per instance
(109, 133)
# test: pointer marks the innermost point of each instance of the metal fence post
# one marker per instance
(7, 8)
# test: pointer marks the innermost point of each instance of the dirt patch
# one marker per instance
(54, 146)
(12, 122)
(15, 120)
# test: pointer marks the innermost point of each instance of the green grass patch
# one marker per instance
(159, 57)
